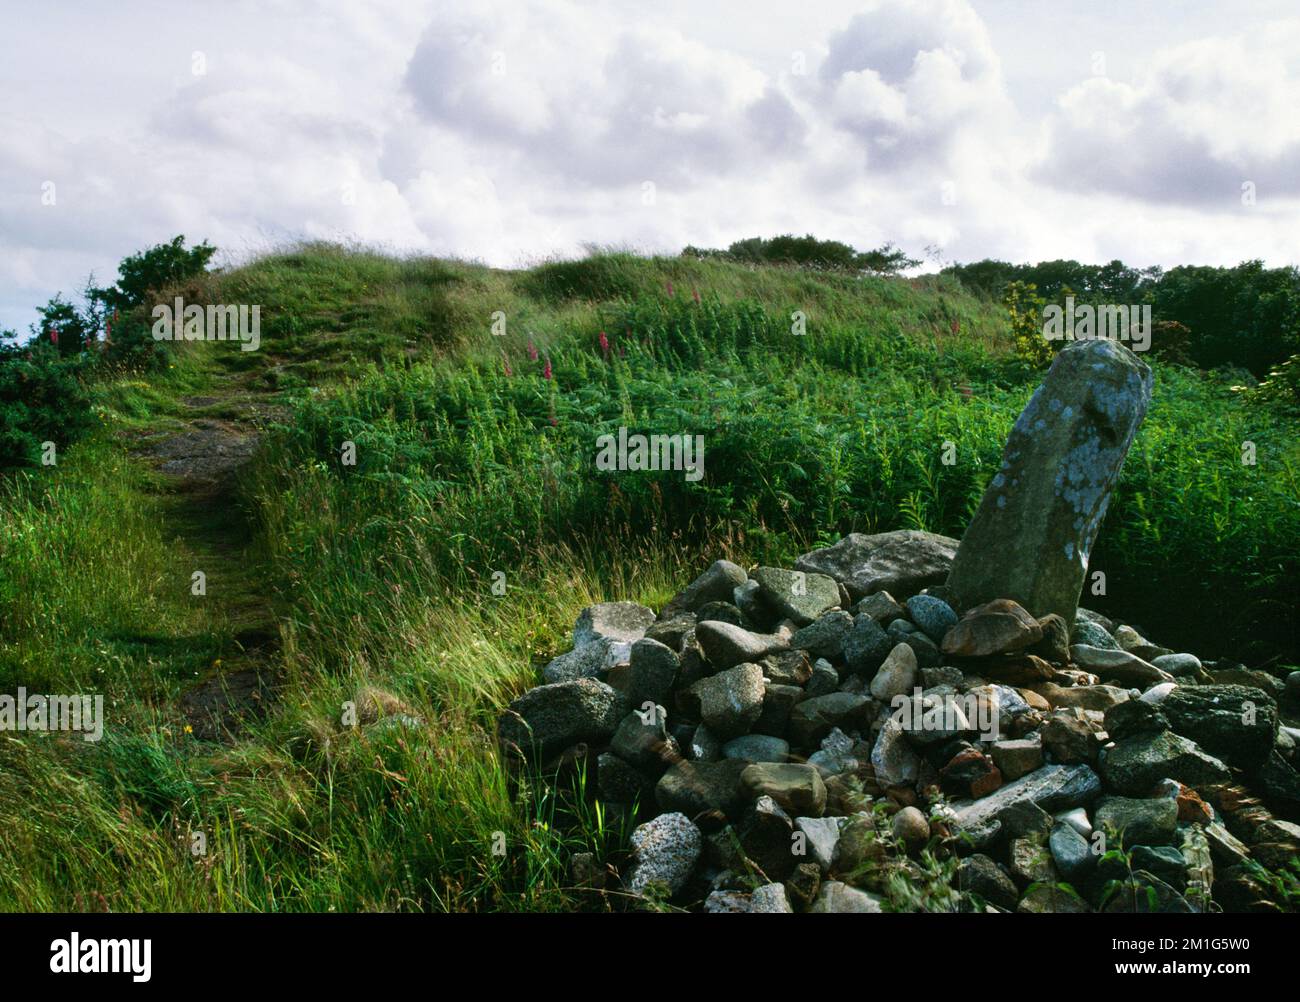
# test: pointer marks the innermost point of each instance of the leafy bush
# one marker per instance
(809, 252)
(1171, 341)
(1248, 315)
(1025, 308)
(151, 270)
(126, 305)
(65, 327)
(43, 398)
(1281, 386)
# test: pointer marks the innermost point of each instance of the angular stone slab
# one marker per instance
(797, 595)
(726, 645)
(1135, 765)
(795, 787)
(836, 897)
(665, 851)
(705, 792)
(1031, 537)
(625, 621)
(587, 660)
(825, 637)
(812, 719)
(1234, 723)
(1051, 788)
(902, 562)
(652, 670)
(1118, 666)
(715, 585)
(894, 760)
(730, 701)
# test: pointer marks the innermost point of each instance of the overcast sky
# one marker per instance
(512, 131)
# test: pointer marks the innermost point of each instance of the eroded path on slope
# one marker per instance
(199, 457)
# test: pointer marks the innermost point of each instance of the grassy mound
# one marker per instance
(474, 459)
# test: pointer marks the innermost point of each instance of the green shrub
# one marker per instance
(126, 306)
(149, 271)
(43, 394)
(1280, 386)
(1025, 308)
(43, 398)
(65, 327)
(809, 252)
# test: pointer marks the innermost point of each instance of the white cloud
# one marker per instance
(606, 105)
(509, 131)
(1204, 118)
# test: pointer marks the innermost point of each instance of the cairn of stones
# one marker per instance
(901, 710)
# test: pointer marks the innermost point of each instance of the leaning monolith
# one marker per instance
(1035, 526)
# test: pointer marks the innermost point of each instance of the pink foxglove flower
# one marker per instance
(546, 369)
(532, 351)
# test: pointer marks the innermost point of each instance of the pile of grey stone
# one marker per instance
(901, 720)
(789, 738)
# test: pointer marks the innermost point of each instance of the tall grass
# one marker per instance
(466, 468)
(94, 584)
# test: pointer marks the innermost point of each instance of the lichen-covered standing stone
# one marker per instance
(1030, 539)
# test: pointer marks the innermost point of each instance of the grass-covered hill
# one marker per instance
(473, 398)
